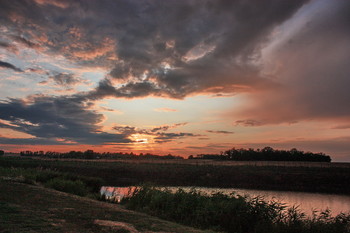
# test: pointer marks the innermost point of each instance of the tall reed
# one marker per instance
(231, 213)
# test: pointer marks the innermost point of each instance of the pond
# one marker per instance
(307, 202)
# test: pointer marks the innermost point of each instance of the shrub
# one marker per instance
(75, 187)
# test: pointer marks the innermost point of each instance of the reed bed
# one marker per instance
(232, 213)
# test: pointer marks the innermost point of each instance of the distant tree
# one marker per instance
(89, 154)
(267, 154)
(2, 152)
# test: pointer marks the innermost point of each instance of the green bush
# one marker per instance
(75, 187)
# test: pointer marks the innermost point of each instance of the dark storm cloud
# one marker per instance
(48, 118)
(205, 45)
(160, 48)
(9, 66)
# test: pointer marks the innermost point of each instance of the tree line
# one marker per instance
(90, 154)
(265, 154)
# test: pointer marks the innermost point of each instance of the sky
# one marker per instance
(181, 77)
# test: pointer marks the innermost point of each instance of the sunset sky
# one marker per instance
(181, 77)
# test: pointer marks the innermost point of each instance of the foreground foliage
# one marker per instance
(231, 213)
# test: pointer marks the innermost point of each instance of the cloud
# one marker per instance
(128, 130)
(65, 79)
(165, 110)
(110, 110)
(10, 66)
(9, 47)
(4, 44)
(167, 127)
(248, 122)
(347, 126)
(220, 131)
(48, 118)
(24, 42)
(158, 133)
(309, 61)
(167, 49)
(56, 3)
(166, 137)
(38, 71)
(128, 91)
(219, 58)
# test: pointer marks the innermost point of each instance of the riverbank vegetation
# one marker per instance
(232, 213)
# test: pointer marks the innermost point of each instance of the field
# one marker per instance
(292, 176)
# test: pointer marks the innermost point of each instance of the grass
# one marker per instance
(232, 213)
(66, 182)
(14, 219)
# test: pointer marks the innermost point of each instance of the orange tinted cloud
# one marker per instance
(57, 3)
(165, 110)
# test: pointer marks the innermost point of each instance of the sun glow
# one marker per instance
(142, 142)
(141, 138)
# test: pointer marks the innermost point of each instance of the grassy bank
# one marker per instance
(65, 182)
(309, 179)
(231, 213)
(32, 208)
